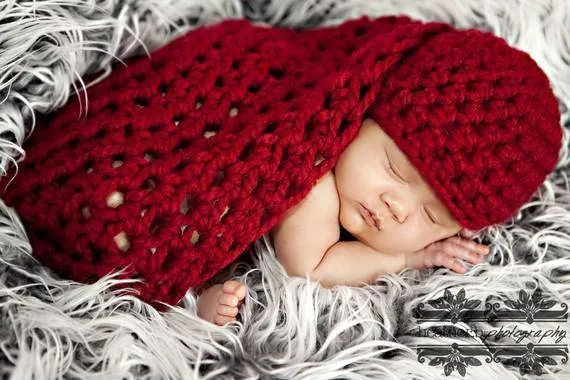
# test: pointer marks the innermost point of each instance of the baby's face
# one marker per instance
(409, 215)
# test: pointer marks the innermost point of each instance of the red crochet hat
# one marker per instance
(479, 121)
(184, 160)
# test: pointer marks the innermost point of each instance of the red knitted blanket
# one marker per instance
(183, 160)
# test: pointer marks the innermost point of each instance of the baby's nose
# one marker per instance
(396, 207)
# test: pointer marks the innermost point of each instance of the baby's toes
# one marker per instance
(228, 299)
(221, 320)
(236, 288)
(228, 311)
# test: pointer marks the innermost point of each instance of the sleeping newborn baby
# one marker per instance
(377, 195)
(397, 132)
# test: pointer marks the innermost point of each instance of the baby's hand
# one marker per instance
(447, 253)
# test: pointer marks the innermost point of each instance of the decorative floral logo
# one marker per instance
(454, 305)
(455, 361)
(532, 362)
(530, 304)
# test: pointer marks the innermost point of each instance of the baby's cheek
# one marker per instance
(350, 219)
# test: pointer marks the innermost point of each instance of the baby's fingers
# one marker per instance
(473, 246)
(451, 248)
(448, 261)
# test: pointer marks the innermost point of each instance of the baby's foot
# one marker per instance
(220, 304)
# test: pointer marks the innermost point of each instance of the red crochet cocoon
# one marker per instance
(184, 159)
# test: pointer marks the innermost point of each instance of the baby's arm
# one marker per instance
(354, 263)
(307, 230)
(306, 241)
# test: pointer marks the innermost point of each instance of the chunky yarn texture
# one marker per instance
(183, 160)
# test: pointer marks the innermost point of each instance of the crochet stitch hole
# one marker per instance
(149, 184)
(184, 73)
(200, 58)
(155, 128)
(128, 130)
(169, 262)
(360, 31)
(177, 119)
(264, 109)
(219, 81)
(271, 126)
(211, 129)
(254, 88)
(246, 151)
(76, 256)
(89, 166)
(220, 175)
(197, 105)
(122, 241)
(276, 73)
(74, 142)
(155, 225)
(141, 102)
(101, 133)
(182, 144)
(381, 57)
(150, 155)
(163, 88)
(180, 166)
(233, 112)
(112, 106)
(62, 179)
(224, 212)
(115, 199)
(318, 159)
(288, 96)
(343, 125)
(364, 90)
(327, 102)
(118, 160)
(186, 204)
(236, 64)
(96, 253)
(195, 237)
(85, 212)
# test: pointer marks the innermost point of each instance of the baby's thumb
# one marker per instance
(467, 234)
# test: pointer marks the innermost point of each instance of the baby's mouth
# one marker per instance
(371, 218)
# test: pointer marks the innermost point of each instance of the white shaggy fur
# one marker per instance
(289, 327)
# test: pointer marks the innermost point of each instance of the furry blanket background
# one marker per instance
(289, 327)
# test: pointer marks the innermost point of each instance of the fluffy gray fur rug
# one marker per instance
(289, 328)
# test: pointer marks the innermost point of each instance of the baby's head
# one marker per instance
(374, 174)
(462, 134)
